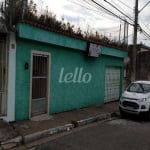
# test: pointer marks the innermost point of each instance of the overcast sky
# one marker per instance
(82, 14)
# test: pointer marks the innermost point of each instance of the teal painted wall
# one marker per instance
(63, 96)
(27, 31)
(68, 53)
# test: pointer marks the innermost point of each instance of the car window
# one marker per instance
(139, 88)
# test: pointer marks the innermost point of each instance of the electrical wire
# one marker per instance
(95, 6)
(89, 4)
(144, 25)
(104, 15)
(119, 10)
(143, 31)
(125, 4)
(111, 12)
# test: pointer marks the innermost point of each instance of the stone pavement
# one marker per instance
(30, 130)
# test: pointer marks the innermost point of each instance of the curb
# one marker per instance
(44, 133)
(92, 119)
(9, 144)
(67, 127)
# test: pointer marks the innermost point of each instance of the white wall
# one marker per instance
(11, 78)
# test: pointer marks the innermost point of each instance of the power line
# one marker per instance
(110, 11)
(125, 4)
(119, 10)
(114, 14)
(144, 6)
(83, 5)
(146, 26)
(145, 33)
(91, 4)
(97, 7)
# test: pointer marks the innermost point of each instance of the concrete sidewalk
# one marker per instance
(30, 130)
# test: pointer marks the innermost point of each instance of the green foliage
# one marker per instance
(49, 20)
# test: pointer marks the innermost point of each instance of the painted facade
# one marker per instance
(74, 80)
(67, 54)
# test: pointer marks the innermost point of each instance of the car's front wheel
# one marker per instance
(148, 115)
(122, 113)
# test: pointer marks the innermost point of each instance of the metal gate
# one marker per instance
(40, 81)
(112, 84)
(3, 77)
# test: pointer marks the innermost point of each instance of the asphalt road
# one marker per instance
(118, 134)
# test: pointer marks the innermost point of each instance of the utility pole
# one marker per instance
(11, 7)
(124, 35)
(134, 49)
(24, 7)
(125, 32)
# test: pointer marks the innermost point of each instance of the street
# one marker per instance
(116, 134)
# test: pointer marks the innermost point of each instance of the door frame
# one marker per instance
(36, 52)
(120, 80)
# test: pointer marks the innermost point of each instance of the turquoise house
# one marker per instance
(53, 72)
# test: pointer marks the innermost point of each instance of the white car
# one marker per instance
(136, 99)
